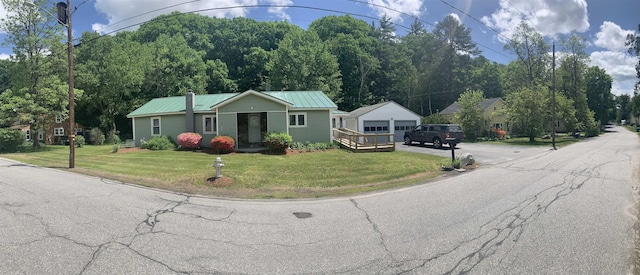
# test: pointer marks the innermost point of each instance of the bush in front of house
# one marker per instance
(223, 144)
(278, 142)
(97, 137)
(189, 140)
(113, 138)
(310, 147)
(159, 143)
(79, 140)
(10, 140)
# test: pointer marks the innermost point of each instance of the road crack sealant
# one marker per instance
(505, 229)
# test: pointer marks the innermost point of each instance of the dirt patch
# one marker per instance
(218, 182)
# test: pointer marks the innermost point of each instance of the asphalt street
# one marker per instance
(570, 211)
(487, 154)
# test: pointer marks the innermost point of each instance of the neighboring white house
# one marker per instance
(383, 118)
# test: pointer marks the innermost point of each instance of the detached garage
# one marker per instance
(383, 118)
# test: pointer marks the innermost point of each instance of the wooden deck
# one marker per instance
(359, 142)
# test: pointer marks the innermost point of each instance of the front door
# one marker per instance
(254, 129)
(251, 129)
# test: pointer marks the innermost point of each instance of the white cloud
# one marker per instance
(280, 12)
(4, 56)
(124, 13)
(394, 8)
(455, 15)
(611, 37)
(549, 17)
(620, 66)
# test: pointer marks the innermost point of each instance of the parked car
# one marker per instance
(436, 134)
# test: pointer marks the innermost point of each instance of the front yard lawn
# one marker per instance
(254, 175)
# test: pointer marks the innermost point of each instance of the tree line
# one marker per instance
(354, 62)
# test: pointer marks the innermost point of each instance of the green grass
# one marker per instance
(254, 175)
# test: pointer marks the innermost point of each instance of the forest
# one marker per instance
(356, 63)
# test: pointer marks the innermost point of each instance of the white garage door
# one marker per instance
(401, 126)
(376, 127)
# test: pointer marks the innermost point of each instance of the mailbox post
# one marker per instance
(452, 145)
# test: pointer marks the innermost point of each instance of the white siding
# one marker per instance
(389, 112)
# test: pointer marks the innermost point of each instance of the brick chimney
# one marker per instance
(190, 119)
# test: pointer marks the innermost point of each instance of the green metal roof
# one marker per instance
(203, 103)
(305, 99)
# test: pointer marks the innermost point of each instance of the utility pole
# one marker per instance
(553, 99)
(64, 18)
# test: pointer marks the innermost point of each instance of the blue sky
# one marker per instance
(604, 23)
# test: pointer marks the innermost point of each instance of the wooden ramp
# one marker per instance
(359, 142)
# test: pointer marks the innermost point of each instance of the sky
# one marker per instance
(604, 23)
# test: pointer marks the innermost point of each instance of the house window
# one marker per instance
(495, 108)
(209, 124)
(557, 124)
(497, 125)
(298, 119)
(155, 126)
(27, 134)
(40, 135)
(58, 119)
(58, 132)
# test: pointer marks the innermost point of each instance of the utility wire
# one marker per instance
(477, 20)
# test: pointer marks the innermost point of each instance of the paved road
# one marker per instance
(486, 154)
(569, 211)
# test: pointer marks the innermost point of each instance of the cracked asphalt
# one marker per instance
(570, 211)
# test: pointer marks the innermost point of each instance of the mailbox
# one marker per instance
(452, 145)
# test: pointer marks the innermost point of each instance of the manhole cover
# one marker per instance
(302, 215)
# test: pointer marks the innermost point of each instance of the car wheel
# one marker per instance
(437, 143)
(407, 140)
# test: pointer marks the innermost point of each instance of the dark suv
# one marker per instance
(434, 133)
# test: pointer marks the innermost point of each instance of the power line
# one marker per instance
(268, 6)
(264, 6)
(431, 24)
(477, 20)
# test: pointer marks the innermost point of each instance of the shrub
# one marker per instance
(113, 138)
(278, 142)
(115, 148)
(97, 137)
(500, 134)
(308, 146)
(11, 139)
(223, 144)
(189, 140)
(79, 140)
(592, 130)
(456, 163)
(160, 143)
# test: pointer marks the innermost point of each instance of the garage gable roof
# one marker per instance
(366, 109)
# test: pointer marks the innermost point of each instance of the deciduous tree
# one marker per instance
(470, 115)
(528, 110)
(37, 93)
(532, 51)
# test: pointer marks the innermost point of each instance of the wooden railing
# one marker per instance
(357, 141)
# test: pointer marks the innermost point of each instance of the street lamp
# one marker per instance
(64, 18)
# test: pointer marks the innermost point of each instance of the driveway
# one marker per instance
(483, 153)
(570, 211)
